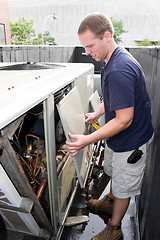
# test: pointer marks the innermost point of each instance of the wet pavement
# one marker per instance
(85, 231)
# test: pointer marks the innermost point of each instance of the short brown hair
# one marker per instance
(97, 23)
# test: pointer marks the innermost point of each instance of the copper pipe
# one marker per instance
(38, 146)
(41, 188)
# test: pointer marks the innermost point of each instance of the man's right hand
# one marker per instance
(90, 117)
(94, 116)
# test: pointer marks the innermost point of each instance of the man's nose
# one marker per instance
(87, 51)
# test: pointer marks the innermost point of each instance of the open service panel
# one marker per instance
(72, 116)
(95, 103)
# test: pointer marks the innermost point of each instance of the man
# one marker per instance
(128, 126)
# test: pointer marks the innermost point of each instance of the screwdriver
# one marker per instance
(95, 125)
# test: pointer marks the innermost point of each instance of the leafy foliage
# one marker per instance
(46, 39)
(22, 33)
(146, 42)
(118, 30)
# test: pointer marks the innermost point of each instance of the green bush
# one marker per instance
(146, 42)
(118, 30)
(22, 33)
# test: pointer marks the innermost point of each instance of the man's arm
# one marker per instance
(122, 121)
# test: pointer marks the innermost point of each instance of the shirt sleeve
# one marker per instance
(121, 90)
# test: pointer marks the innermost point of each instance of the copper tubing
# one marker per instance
(41, 189)
(38, 146)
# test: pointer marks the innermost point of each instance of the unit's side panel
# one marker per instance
(49, 117)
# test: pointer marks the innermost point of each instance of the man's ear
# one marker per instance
(107, 35)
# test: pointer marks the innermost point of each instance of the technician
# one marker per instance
(128, 125)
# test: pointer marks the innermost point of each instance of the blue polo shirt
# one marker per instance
(123, 86)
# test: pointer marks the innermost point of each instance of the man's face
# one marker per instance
(94, 46)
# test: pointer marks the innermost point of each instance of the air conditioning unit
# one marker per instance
(39, 104)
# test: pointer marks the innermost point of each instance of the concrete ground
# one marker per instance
(85, 231)
(96, 222)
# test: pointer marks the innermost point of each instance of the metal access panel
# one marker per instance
(95, 102)
(72, 113)
(21, 218)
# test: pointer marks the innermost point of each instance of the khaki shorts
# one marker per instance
(126, 178)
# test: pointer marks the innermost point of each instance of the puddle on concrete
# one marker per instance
(96, 223)
(85, 231)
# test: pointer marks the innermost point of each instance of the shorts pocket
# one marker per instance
(132, 175)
